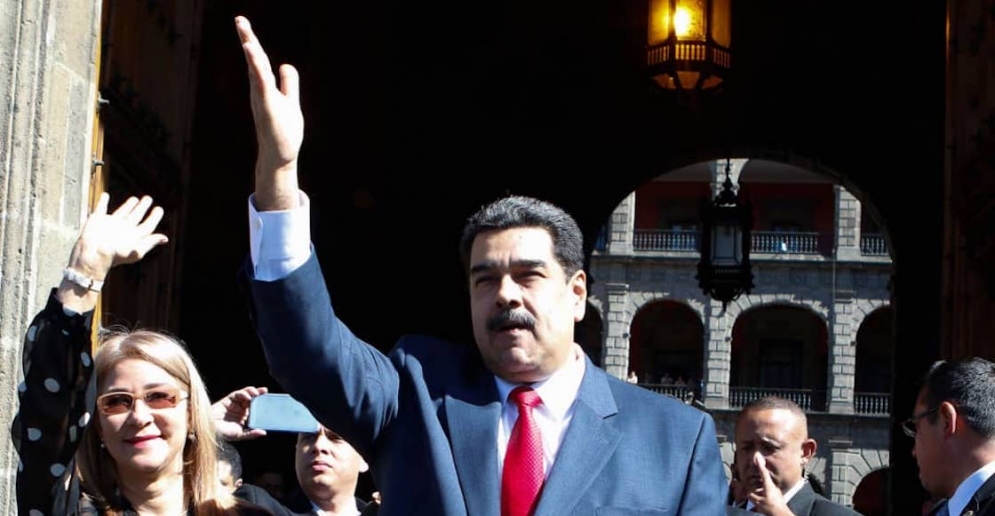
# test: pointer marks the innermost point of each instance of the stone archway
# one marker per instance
(780, 347)
(665, 344)
(871, 494)
(875, 343)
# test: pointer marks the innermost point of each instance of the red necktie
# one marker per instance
(523, 468)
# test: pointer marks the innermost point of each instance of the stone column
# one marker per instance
(847, 225)
(718, 355)
(48, 83)
(842, 354)
(617, 319)
(718, 168)
(621, 225)
(842, 476)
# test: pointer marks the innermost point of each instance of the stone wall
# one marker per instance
(48, 52)
(839, 290)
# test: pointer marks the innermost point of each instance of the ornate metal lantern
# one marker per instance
(724, 270)
(688, 43)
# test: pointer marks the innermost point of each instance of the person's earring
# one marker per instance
(102, 447)
(191, 437)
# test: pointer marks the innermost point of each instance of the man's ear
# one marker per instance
(578, 284)
(947, 414)
(808, 450)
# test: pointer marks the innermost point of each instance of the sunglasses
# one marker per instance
(156, 398)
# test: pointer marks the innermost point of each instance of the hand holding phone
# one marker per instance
(278, 412)
(231, 414)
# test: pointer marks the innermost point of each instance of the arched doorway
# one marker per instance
(875, 352)
(781, 350)
(665, 346)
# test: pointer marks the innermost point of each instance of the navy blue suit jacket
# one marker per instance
(425, 417)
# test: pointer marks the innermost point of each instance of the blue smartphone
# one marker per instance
(277, 412)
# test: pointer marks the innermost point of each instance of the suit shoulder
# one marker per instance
(634, 394)
(432, 352)
(826, 507)
(252, 497)
(417, 344)
(438, 362)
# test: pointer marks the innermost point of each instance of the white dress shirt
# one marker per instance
(965, 491)
(558, 393)
(279, 241)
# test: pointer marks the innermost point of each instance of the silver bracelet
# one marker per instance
(82, 280)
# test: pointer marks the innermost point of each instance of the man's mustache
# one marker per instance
(511, 317)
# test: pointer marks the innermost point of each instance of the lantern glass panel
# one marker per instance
(689, 20)
(659, 24)
(721, 23)
(726, 245)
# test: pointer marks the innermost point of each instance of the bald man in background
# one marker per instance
(772, 450)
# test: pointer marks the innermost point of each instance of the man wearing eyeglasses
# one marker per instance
(953, 425)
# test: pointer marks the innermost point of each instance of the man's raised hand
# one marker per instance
(279, 123)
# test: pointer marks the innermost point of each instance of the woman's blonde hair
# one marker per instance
(200, 473)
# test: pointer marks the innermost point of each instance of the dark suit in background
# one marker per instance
(807, 502)
(953, 424)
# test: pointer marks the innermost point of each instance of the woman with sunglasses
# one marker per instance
(137, 438)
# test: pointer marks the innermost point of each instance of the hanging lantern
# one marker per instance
(688, 43)
(724, 271)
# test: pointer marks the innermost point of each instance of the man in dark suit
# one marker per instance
(328, 470)
(772, 450)
(451, 429)
(953, 424)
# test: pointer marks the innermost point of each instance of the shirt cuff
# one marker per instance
(279, 241)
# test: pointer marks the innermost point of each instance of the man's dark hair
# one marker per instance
(967, 384)
(527, 212)
(228, 453)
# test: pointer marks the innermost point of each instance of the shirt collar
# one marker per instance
(557, 392)
(965, 491)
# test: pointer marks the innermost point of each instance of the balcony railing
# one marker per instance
(873, 245)
(665, 240)
(868, 403)
(761, 241)
(807, 399)
(878, 403)
(794, 242)
(680, 392)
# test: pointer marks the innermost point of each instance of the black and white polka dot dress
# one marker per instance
(55, 400)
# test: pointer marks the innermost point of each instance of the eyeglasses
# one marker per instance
(909, 425)
(155, 398)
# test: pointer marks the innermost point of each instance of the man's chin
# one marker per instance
(516, 371)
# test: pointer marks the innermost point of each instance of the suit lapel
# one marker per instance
(802, 502)
(587, 446)
(472, 417)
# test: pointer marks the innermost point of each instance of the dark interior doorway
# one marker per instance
(419, 112)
